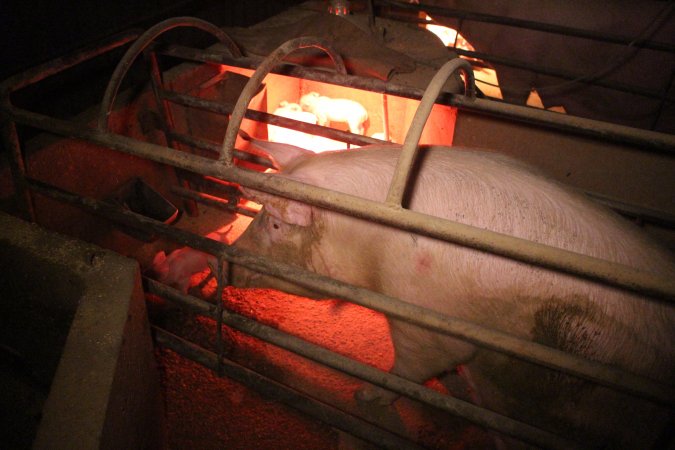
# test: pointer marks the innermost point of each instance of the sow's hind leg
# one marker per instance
(419, 356)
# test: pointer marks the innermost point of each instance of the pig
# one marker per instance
(328, 109)
(490, 191)
(623, 64)
(177, 268)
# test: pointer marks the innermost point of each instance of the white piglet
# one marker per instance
(328, 109)
(177, 268)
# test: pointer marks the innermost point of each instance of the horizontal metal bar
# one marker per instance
(528, 24)
(214, 148)
(50, 68)
(212, 201)
(485, 337)
(276, 391)
(271, 119)
(288, 69)
(595, 269)
(643, 140)
(647, 215)
(580, 78)
(344, 364)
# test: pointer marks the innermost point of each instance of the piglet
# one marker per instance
(177, 268)
(328, 109)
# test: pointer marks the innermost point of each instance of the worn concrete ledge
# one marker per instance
(105, 389)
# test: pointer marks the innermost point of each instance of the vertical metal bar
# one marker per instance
(17, 166)
(168, 124)
(221, 279)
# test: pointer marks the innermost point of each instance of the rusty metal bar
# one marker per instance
(271, 119)
(251, 87)
(545, 27)
(595, 269)
(406, 160)
(293, 70)
(468, 331)
(141, 43)
(212, 201)
(58, 65)
(287, 395)
(8, 131)
(344, 364)
(214, 149)
(167, 123)
(643, 140)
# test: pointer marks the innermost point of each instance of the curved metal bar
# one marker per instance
(412, 139)
(254, 82)
(141, 43)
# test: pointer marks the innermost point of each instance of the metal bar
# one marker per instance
(344, 364)
(528, 24)
(141, 44)
(252, 85)
(214, 149)
(580, 78)
(276, 391)
(648, 215)
(271, 119)
(39, 73)
(17, 167)
(212, 201)
(222, 279)
(608, 132)
(643, 140)
(167, 123)
(595, 269)
(406, 160)
(484, 337)
(293, 70)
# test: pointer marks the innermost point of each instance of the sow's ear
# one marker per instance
(289, 211)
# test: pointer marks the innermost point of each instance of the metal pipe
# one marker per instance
(271, 119)
(344, 364)
(212, 201)
(528, 24)
(214, 149)
(476, 334)
(251, 87)
(660, 218)
(580, 78)
(278, 392)
(141, 43)
(406, 160)
(595, 269)
(167, 123)
(39, 73)
(643, 140)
